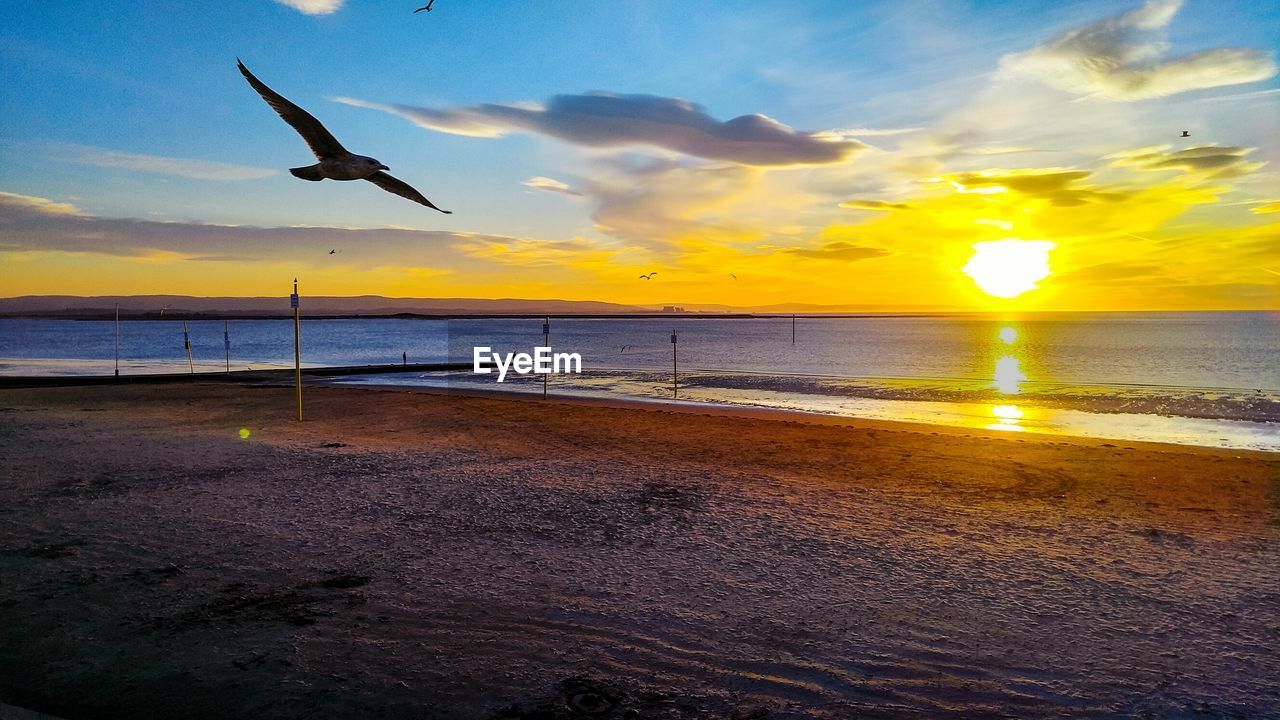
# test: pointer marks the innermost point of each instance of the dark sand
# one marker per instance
(415, 555)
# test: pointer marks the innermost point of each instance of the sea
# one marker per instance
(1199, 378)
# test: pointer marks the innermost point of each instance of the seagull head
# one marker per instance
(372, 164)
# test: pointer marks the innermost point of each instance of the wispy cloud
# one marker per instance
(547, 184)
(874, 205)
(313, 7)
(838, 250)
(180, 167)
(1123, 58)
(601, 119)
(37, 204)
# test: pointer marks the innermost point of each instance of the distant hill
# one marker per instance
(135, 305)
(183, 305)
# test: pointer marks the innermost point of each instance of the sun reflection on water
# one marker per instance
(1008, 335)
(1009, 375)
(1008, 417)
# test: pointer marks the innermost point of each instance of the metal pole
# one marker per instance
(186, 341)
(297, 348)
(117, 339)
(546, 342)
(675, 370)
(226, 341)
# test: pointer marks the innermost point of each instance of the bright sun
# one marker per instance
(1007, 268)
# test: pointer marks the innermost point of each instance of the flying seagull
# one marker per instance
(735, 277)
(333, 252)
(649, 276)
(1186, 133)
(426, 7)
(336, 162)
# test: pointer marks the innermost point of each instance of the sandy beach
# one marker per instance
(190, 551)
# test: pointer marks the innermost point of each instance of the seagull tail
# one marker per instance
(310, 172)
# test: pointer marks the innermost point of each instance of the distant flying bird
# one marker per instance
(649, 276)
(336, 162)
(1186, 133)
(735, 277)
(333, 252)
(426, 7)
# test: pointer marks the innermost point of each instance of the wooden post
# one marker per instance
(297, 348)
(186, 341)
(226, 341)
(675, 370)
(117, 339)
(546, 342)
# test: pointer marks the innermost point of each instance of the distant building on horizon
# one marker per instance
(672, 309)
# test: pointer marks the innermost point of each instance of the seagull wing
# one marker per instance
(320, 140)
(401, 188)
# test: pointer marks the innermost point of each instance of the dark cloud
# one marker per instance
(35, 224)
(1210, 161)
(1059, 187)
(875, 205)
(839, 250)
(602, 119)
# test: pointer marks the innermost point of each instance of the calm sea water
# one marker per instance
(1204, 378)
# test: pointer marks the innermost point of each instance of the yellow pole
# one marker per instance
(297, 348)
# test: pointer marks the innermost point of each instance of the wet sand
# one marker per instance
(416, 555)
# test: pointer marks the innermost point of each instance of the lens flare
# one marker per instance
(244, 433)
(1010, 267)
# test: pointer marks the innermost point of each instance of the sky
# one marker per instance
(906, 154)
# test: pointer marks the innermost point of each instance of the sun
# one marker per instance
(1010, 267)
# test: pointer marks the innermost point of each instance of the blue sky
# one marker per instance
(88, 79)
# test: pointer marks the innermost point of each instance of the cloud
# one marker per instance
(1271, 207)
(875, 205)
(838, 250)
(549, 185)
(313, 7)
(37, 204)
(1209, 161)
(1123, 58)
(601, 119)
(871, 132)
(1058, 186)
(33, 224)
(532, 253)
(181, 167)
(1114, 273)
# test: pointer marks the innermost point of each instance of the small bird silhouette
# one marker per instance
(735, 277)
(333, 252)
(1186, 133)
(649, 276)
(336, 162)
(426, 7)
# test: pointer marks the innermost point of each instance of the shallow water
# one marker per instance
(1198, 378)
